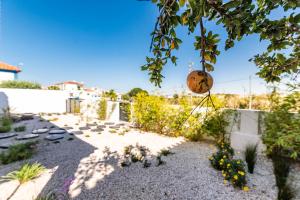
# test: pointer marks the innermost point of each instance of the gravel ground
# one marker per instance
(92, 163)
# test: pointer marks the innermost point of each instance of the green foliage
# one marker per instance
(53, 87)
(239, 18)
(150, 113)
(282, 128)
(111, 94)
(232, 170)
(20, 129)
(102, 107)
(216, 123)
(18, 152)
(165, 152)
(282, 168)
(250, 157)
(133, 92)
(26, 173)
(20, 85)
(5, 124)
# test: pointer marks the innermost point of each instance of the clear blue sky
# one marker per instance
(104, 43)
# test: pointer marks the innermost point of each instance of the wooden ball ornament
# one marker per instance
(199, 81)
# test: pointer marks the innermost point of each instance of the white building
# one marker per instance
(70, 86)
(8, 72)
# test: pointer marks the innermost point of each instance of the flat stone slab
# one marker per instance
(27, 116)
(59, 131)
(54, 137)
(109, 123)
(84, 128)
(97, 130)
(101, 126)
(68, 128)
(27, 136)
(7, 135)
(114, 127)
(77, 132)
(40, 131)
(6, 145)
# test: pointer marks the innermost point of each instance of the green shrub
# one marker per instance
(20, 129)
(20, 85)
(18, 152)
(282, 128)
(250, 157)
(102, 109)
(5, 124)
(26, 173)
(216, 124)
(235, 172)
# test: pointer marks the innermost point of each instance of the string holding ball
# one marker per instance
(199, 81)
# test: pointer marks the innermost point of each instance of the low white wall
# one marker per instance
(33, 101)
(247, 130)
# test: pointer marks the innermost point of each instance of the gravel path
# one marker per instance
(92, 162)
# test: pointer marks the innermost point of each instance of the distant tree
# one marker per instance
(175, 96)
(125, 97)
(53, 87)
(133, 92)
(20, 85)
(111, 94)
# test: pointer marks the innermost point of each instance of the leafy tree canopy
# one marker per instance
(20, 85)
(239, 18)
(133, 92)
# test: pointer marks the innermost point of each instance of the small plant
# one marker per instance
(26, 173)
(112, 131)
(146, 163)
(87, 136)
(251, 157)
(20, 129)
(5, 124)
(159, 161)
(286, 193)
(234, 171)
(18, 152)
(165, 152)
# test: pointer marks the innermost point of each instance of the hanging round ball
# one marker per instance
(199, 81)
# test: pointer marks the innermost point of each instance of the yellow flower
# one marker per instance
(210, 158)
(225, 182)
(228, 165)
(224, 156)
(242, 173)
(246, 189)
(238, 162)
(224, 174)
(235, 177)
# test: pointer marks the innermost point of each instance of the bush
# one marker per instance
(20, 129)
(102, 109)
(250, 157)
(235, 172)
(5, 125)
(26, 173)
(282, 128)
(20, 85)
(216, 123)
(18, 152)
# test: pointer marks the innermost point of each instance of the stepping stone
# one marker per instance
(27, 137)
(91, 125)
(101, 126)
(77, 132)
(27, 116)
(114, 127)
(97, 130)
(84, 128)
(54, 137)
(68, 128)
(109, 123)
(40, 131)
(59, 131)
(7, 145)
(7, 135)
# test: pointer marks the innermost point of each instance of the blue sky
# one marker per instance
(104, 43)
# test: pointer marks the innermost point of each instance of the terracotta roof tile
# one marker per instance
(7, 67)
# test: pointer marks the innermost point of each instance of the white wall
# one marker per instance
(247, 130)
(33, 101)
(7, 76)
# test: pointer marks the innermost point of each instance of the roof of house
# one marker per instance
(71, 82)
(7, 67)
